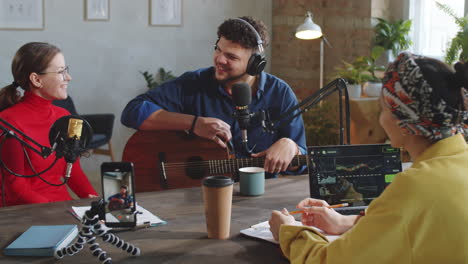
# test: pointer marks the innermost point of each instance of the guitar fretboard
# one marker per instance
(233, 165)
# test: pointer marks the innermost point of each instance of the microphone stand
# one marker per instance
(10, 130)
(62, 149)
(336, 85)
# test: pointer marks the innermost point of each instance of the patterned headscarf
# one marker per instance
(412, 101)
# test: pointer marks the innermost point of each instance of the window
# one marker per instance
(433, 29)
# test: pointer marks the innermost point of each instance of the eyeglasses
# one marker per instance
(63, 72)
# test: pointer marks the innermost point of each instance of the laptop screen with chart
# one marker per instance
(353, 174)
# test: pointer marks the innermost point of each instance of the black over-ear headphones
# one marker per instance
(257, 60)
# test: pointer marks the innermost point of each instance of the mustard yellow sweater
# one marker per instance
(422, 217)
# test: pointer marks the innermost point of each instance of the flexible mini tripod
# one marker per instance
(91, 227)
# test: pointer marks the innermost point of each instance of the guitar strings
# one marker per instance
(220, 163)
(216, 162)
(205, 168)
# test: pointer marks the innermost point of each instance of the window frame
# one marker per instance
(407, 4)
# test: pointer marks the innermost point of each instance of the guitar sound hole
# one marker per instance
(196, 168)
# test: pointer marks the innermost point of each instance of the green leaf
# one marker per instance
(392, 36)
(162, 77)
(376, 52)
(458, 46)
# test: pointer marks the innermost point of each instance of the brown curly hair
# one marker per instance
(236, 31)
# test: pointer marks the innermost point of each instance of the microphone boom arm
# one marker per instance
(336, 85)
(10, 130)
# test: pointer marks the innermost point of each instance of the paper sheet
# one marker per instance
(146, 217)
(262, 231)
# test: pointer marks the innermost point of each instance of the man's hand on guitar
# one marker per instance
(214, 129)
(279, 155)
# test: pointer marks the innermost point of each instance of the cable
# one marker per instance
(26, 176)
(38, 175)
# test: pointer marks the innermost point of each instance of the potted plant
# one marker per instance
(458, 47)
(321, 124)
(374, 84)
(356, 73)
(162, 76)
(393, 37)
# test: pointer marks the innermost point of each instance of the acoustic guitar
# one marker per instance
(174, 159)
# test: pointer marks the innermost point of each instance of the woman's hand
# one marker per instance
(279, 218)
(92, 196)
(317, 214)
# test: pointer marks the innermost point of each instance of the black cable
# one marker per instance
(26, 176)
(38, 175)
(19, 175)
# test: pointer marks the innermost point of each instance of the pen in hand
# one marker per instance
(330, 206)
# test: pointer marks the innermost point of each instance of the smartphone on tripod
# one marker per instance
(119, 194)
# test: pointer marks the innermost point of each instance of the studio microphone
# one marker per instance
(242, 97)
(69, 137)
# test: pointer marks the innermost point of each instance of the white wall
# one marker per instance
(105, 57)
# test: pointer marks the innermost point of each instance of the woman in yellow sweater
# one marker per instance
(422, 216)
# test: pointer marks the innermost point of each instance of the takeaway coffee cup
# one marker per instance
(217, 197)
(252, 181)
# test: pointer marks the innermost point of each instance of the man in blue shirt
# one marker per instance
(200, 101)
(123, 198)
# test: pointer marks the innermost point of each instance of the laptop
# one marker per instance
(353, 174)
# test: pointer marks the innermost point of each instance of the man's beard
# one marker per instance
(230, 79)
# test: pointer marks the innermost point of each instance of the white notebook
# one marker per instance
(262, 231)
(146, 217)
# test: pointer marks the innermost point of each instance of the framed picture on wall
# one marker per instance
(22, 14)
(165, 12)
(97, 10)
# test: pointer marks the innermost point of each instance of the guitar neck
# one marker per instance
(233, 165)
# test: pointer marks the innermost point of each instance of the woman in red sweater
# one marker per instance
(40, 70)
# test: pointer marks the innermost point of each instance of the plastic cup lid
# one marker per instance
(217, 181)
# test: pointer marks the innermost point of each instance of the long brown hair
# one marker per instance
(31, 57)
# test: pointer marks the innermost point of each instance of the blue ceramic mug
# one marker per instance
(252, 181)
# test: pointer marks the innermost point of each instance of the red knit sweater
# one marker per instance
(34, 116)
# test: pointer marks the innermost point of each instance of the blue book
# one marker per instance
(42, 240)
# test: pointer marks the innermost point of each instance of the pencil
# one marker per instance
(330, 206)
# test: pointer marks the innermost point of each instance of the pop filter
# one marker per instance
(69, 136)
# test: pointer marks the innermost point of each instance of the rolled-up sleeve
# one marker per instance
(138, 110)
(167, 96)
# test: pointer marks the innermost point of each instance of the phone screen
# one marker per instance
(118, 193)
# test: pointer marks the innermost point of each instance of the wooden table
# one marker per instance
(183, 239)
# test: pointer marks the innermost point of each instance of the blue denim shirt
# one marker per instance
(198, 93)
